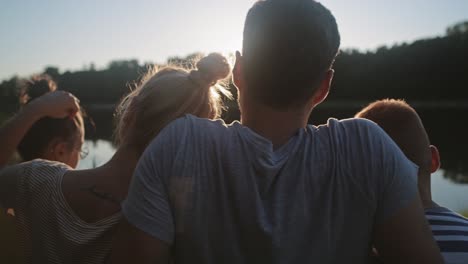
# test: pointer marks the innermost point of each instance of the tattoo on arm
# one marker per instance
(102, 195)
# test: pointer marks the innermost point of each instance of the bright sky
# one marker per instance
(71, 34)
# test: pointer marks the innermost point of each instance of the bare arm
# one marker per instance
(57, 104)
(147, 230)
(406, 238)
(132, 245)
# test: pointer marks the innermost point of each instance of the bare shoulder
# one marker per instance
(88, 196)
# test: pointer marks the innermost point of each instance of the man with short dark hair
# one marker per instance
(403, 125)
(273, 189)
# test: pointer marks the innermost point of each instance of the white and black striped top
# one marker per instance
(49, 230)
(450, 230)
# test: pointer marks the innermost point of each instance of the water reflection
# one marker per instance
(100, 151)
(448, 193)
(445, 192)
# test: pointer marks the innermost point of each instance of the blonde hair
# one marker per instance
(168, 93)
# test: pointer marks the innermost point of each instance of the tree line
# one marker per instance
(433, 70)
(429, 69)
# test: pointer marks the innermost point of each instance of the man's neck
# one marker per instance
(425, 192)
(277, 126)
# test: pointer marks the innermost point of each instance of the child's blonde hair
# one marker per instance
(168, 93)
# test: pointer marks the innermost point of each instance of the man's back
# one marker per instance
(222, 193)
(203, 192)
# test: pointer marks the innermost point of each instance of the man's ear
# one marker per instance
(324, 88)
(238, 72)
(435, 158)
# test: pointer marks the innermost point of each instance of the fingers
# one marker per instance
(57, 104)
(74, 105)
(61, 104)
(72, 96)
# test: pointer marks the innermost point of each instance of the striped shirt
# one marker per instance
(450, 230)
(49, 230)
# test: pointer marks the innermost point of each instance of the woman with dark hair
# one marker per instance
(48, 126)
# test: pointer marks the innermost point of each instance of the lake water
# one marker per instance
(445, 192)
(100, 151)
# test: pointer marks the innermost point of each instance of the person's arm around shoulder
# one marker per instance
(146, 218)
(401, 231)
(58, 104)
(405, 237)
(137, 240)
(132, 245)
(147, 230)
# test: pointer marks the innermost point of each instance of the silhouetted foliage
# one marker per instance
(9, 90)
(428, 73)
(53, 72)
(458, 29)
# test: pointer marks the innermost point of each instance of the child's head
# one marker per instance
(403, 124)
(50, 138)
(167, 94)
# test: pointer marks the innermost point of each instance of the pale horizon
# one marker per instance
(71, 35)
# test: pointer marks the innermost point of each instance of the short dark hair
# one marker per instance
(403, 124)
(288, 47)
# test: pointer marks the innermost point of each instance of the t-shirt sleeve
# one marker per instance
(147, 206)
(27, 181)
(381, 170)
(394, 176)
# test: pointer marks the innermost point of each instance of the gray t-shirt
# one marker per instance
(222, 194)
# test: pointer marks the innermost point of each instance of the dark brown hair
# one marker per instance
(288, 47)
(47, 129)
